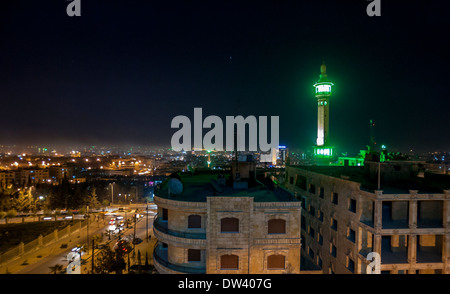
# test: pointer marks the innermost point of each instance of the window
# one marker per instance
(229, 261)
(320, 239)
(321, 192)
(351, 235)
(320, 216)
(333, 250)
(229, 225)
(276, 261)
(303, 200)
(312, 210)
(301, 182)
(311, 232)
(352, 205)
(194, 221)
(276, 226)
(334, 198)
(312, 189)
(351, 265)
(291, 180)
(194, 255)
(165, 214)
(311, 253)
(334, 224)
(303, 220)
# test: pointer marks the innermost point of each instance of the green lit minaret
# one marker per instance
(323, 89)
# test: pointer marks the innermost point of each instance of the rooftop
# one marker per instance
(196, 187)
(389, 184)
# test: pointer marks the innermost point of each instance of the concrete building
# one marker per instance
(215, 226)
(348, 212)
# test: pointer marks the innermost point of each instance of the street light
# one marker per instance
(112, 191)
(146, 224)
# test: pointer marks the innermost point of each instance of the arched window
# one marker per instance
(229, 225)
(276, 226)
(276, 261)
(194, 221)
(229, 261)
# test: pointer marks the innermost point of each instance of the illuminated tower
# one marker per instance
(323, 93)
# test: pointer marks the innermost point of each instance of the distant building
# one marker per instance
(234, 225)
(348, 212)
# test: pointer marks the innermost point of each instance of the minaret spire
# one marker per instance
(323, 93)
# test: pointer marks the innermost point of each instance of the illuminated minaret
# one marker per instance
(323, 93)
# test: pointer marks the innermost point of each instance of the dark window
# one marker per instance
(334, 224)
(320, 217)
(303, 202)
(276, 226)
(334, 198)
(229, 225)
(311, 232)
(194, 221)
(352, 205)
(276, 261)
(229, 261)
(312, 189)
(291, 180)
(351, 235)
(351, 265)
(311, 253)
(303, 220)
(321, 192)
(312, 210)
(333, 250)
(165, 214)
(194, 255)
(320, 239)
(301, 182)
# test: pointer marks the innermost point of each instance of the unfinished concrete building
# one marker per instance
(348, 212)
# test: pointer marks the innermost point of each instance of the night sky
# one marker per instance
(120, 72)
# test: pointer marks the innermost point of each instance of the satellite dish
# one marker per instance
(216, 186)
(175, 186)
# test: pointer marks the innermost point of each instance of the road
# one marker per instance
(56, 255)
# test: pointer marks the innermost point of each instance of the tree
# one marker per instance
(92, 199)
(57, 268)
(108, 261)
(23, 201)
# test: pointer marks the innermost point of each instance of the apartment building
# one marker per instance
(348, 212)
(219, 226)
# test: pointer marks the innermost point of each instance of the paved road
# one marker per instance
(56, 255)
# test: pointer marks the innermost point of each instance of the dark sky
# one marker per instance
(121, 71)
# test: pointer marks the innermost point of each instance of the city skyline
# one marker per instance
(119, 73)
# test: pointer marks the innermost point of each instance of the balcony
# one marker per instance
(160, 258)
(162, 227)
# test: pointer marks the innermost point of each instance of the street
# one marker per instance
(56, 255)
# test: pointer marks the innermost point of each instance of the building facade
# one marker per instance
(243, 233)
(343, 221)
